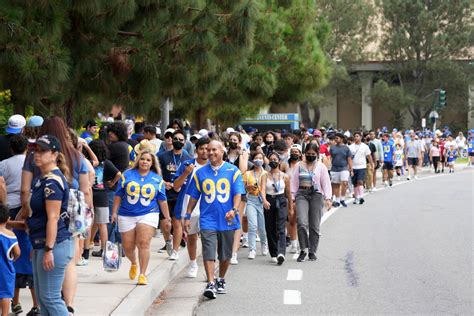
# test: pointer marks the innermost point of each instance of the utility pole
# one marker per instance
(166, 107)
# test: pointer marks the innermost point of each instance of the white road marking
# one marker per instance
(294, 275)
(292, 297)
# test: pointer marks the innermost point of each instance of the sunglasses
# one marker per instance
(178, 139)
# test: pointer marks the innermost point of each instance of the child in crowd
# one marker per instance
(398, 160)
(451, 155)
(9, 251)
(435, 156)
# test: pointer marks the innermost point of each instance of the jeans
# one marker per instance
(275, 219)
(309, 211)
(48, 284)
(256, 219)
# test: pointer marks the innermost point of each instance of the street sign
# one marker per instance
(423, 122)
(434, 114)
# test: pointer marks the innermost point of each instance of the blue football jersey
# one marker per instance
(388, 150)
(140, 194)
(216, 190)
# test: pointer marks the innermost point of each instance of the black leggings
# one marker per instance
(436, 160)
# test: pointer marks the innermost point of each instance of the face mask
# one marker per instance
(294, 157)
(233, 145)
(177, 145)
(310, 158)
(273, 164)
(268, 142)
(258, 162)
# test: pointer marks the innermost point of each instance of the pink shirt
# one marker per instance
(320, 178)
(435, 152)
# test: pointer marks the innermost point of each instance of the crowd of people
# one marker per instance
(234, 189)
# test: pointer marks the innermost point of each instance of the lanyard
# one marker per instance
(256, 179)
(177, 164)
(276, 184)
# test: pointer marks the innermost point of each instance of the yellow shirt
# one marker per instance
(249, 179)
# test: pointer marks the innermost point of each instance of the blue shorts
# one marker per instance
(359, 175)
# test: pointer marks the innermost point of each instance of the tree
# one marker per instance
(422, 39)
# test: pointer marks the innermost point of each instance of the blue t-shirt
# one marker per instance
(470, 145)
(451, 155)
(218, 191)
(87, 136)
(169, 164)
(23, 263)
(140, 194)
(7, 275)
(388, 149)
(52, 187)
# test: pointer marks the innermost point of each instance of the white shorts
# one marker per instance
(194, 222)
(339, 176)
(127, 223)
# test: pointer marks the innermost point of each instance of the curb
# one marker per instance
(138, 301)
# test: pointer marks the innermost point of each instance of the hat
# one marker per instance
(203, 132)
(197, 136)
(310, 131)
(229, 130)
(169, 131)
(35, 121)
(90, 123)
(145, 145)
(322, 128)
(48, 142)
(297, 146)
(317, 133)
(15, 124)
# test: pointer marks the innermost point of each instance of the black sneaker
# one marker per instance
(220, 285)
(210, 291)
(34, 311)
(302, 256)
(183, 243)
(312, 257)
(280, 259)
(343, 203)
(288, 241)
(336, 204)
(390, 182)
(361, 201)
(97, 253)
(17, 309)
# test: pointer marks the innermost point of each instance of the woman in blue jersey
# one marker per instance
(139, 198)
(53, 246)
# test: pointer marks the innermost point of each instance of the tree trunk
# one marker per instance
(69, 112)
(199, 118)
(304, 110)
(317, 117)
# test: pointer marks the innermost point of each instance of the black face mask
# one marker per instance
(268, 142)
(273, 164)
(310, 158)
(233, 145)
(294, 157)
(177, 145)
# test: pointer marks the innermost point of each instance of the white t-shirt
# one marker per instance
(359, 155)
(448, 144)
(196, 211)
(399, 158)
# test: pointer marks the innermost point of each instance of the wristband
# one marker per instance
(234, 209)
(187, 216)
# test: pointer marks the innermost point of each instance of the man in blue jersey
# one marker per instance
(181, 182)
(92, 128)
(470, 147)
(388, 151)
(220, 186)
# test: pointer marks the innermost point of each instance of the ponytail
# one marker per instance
(63, 166)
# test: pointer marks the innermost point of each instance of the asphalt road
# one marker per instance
(408, 250)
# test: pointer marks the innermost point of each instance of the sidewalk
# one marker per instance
(104, 293)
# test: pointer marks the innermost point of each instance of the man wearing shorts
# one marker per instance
(470, 147)
(341, 169)
(360, 155)
(413, 152)
(388, 151)
(181, 183)
(220, 186)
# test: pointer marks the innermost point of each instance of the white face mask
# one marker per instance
(258, 162)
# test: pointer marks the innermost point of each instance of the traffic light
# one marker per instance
(442, 98)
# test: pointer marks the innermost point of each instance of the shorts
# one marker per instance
(243, 198)
(451, 163)
(171, 207)
(23, 280)
(387, 165)
(412, 161)
(101, 215)
(194, 222)
(339, 176)
(221, 241)
(398, 167)
(471, 154)
(127, 223)
(359, 175)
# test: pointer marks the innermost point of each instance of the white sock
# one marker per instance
(294, 243)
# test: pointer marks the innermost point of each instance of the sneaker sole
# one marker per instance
(222, 292)
(210, 294)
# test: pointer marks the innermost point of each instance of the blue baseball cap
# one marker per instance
(15, 124)
(35, 121)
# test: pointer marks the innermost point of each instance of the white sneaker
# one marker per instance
(174, 255)
(273, 260)
(374, 189)
(416, 177)
(245, 242)
(192, 270)
(294, 246)
(82, 263)
(385, 183)
(252, 254)
(264, 250)
(234, 260)
(257, 239)
(398, 178)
